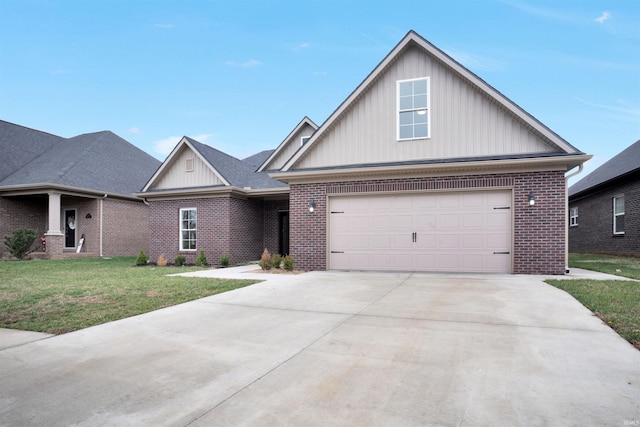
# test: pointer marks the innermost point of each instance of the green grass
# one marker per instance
(616, 302)
(620, 266)
(59, 296)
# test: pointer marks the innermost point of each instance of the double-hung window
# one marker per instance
(618, 215)
(573, 217)
(413, 109)
(188, 228)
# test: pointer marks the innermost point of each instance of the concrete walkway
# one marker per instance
(335, 348)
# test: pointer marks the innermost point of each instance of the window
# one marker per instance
(188, 165)
(188, 229)
(618, 215)
(413, 109)
(304, 139)
(573, 217)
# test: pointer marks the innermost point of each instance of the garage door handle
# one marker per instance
(414, 237)
(337, 252)
(501, 253)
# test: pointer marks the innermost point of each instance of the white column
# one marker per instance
(54, 214)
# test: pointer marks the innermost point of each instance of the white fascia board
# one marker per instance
(287, 141)
(206, 162)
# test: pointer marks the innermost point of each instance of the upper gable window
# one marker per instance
(413, 108)
(304, 139)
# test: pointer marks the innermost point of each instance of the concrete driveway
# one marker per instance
(338, 349)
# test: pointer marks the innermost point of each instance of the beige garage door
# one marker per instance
(446, 232)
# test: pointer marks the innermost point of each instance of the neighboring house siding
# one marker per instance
(538, 231)
(178, 177)
(594, 232)
(125, 227)
(464, 122)
(22, 212)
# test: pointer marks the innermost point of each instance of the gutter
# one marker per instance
(566, 216)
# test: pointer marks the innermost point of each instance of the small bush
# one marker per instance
(142, 258)
(224, 260)
(265, 260)
(20, 242)
(288, 263)
(180, 260)
(276, 260)
(201, 261)
(162, 261)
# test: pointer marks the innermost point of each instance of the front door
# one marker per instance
(283, 228)
(70, 225)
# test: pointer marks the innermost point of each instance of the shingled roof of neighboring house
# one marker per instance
(100, 161)
(239, 173)
(624, 163)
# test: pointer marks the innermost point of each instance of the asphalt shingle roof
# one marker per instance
(100, 161)
(237, 172)
(625, 162)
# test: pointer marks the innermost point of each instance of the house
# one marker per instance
(423, 167)
(202, 198)
(604, 207)
(69, 188)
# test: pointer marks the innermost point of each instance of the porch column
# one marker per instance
(55, 237)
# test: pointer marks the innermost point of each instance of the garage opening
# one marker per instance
(458, 231)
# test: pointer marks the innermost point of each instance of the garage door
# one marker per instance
(446, 232)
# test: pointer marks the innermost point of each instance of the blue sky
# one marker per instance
(239, 75)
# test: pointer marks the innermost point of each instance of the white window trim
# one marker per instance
(180, 240)
(573, 219)
(304, 139)
(615, 215)
(428, 79)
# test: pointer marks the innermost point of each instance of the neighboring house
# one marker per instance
(424, 167)
(204, 199)
(604, 207)
(67, 188)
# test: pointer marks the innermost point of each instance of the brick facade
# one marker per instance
(125, 223)
(538, 231)
(241, 228)
(594, 232)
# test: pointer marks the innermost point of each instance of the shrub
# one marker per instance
(276, 260)
(288, 263)
(162, 261)
(142, 258)
(180, 260)
(224, 260)
(265, 260)
(201, 261)
(20, 242)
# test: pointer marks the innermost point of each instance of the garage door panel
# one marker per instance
(457, 231)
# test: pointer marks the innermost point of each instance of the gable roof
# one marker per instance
(231, 171)
(412, 39)
(306, 121)
(258, 158)
(624, 163)
(100, 161)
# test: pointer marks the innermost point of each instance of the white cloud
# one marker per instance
(165, 26)
(320, 73)
(605, 15)
(166, 145)
(301, 46)
(135, 130)
(475, 62)
(248, 64)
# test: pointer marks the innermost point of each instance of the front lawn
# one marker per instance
(59, 296)
(616, 302)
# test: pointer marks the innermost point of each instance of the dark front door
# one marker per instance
(70, 223)
(283, 228)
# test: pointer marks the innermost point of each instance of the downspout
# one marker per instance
(103, 197)
(566, 216)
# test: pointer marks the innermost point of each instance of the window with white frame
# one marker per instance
(304, 139)
(413, 109)
(573, 217)
(618, 215)
(188, 228)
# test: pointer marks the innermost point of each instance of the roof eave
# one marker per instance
(46, 187)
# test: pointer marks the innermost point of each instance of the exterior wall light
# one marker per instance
(312, 206)
(532, 199)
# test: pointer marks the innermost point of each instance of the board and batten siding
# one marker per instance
(464, 122)
(177, 176)
(290, 147)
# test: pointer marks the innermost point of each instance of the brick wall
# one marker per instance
(594, 233)
(247, 230)
(22, 212)
(538, 231)
(125, 227)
